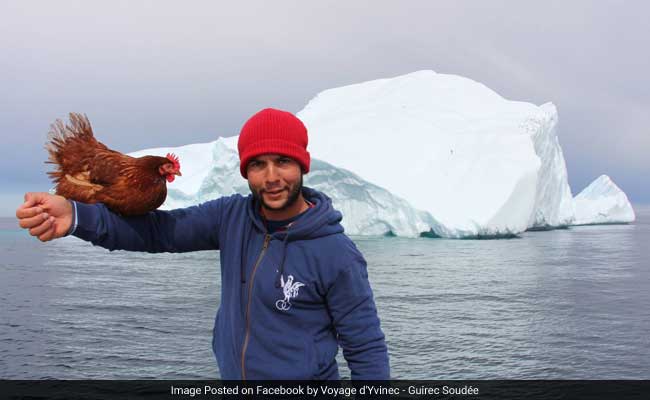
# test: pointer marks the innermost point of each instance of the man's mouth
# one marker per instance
(274, 192)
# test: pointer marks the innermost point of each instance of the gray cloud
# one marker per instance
(170, 73)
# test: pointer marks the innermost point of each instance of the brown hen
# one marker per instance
(89, 172)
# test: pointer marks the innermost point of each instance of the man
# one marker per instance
(294, 286)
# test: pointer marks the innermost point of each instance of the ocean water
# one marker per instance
(563, 304)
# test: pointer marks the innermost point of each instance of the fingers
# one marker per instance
(29, 199)
(48, 235)
(31, 216)
(34, 221)
(28, 212)
(42, 228)
(32, 199)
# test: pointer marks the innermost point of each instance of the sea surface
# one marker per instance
(562, 304)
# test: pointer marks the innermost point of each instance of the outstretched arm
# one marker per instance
(185, 229)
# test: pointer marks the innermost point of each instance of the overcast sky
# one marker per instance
(155, 73)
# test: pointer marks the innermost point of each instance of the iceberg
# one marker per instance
(211, 170)
(603, 202)
(422, 154)
(479, 165)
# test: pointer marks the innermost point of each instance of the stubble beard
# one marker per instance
(291, 199)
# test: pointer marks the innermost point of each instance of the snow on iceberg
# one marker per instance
(602, 202)
(367, 209)
(211, 170)
(554, 206)
(479, 164)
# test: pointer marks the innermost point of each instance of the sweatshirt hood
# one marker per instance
(320, 220)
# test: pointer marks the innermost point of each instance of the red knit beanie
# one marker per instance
(273, 131)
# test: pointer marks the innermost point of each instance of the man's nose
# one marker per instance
(272, 173)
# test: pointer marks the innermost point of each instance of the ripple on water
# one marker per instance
(558, 304)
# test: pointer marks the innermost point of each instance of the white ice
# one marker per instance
(211, 170)
(477, 163)
(602, 202)
(422, 152)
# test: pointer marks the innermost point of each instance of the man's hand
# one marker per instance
(46, 216)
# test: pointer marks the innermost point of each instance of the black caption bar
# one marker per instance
(396, 389)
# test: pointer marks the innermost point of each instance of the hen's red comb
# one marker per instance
(174, 158)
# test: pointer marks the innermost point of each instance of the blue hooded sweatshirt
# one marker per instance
(288, 299)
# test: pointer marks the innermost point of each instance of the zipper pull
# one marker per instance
(267, 239)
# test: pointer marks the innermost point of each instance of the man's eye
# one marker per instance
(284, 161)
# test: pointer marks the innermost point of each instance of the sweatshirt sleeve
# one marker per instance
(353, 310)
(181, 230)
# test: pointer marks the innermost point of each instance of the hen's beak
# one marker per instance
(178, 173)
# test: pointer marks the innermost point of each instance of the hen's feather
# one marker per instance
(88, 171)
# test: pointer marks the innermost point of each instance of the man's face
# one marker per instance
(274, 180)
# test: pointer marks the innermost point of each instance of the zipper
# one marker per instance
(267, 239)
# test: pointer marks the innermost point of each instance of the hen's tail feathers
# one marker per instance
(69, 144)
